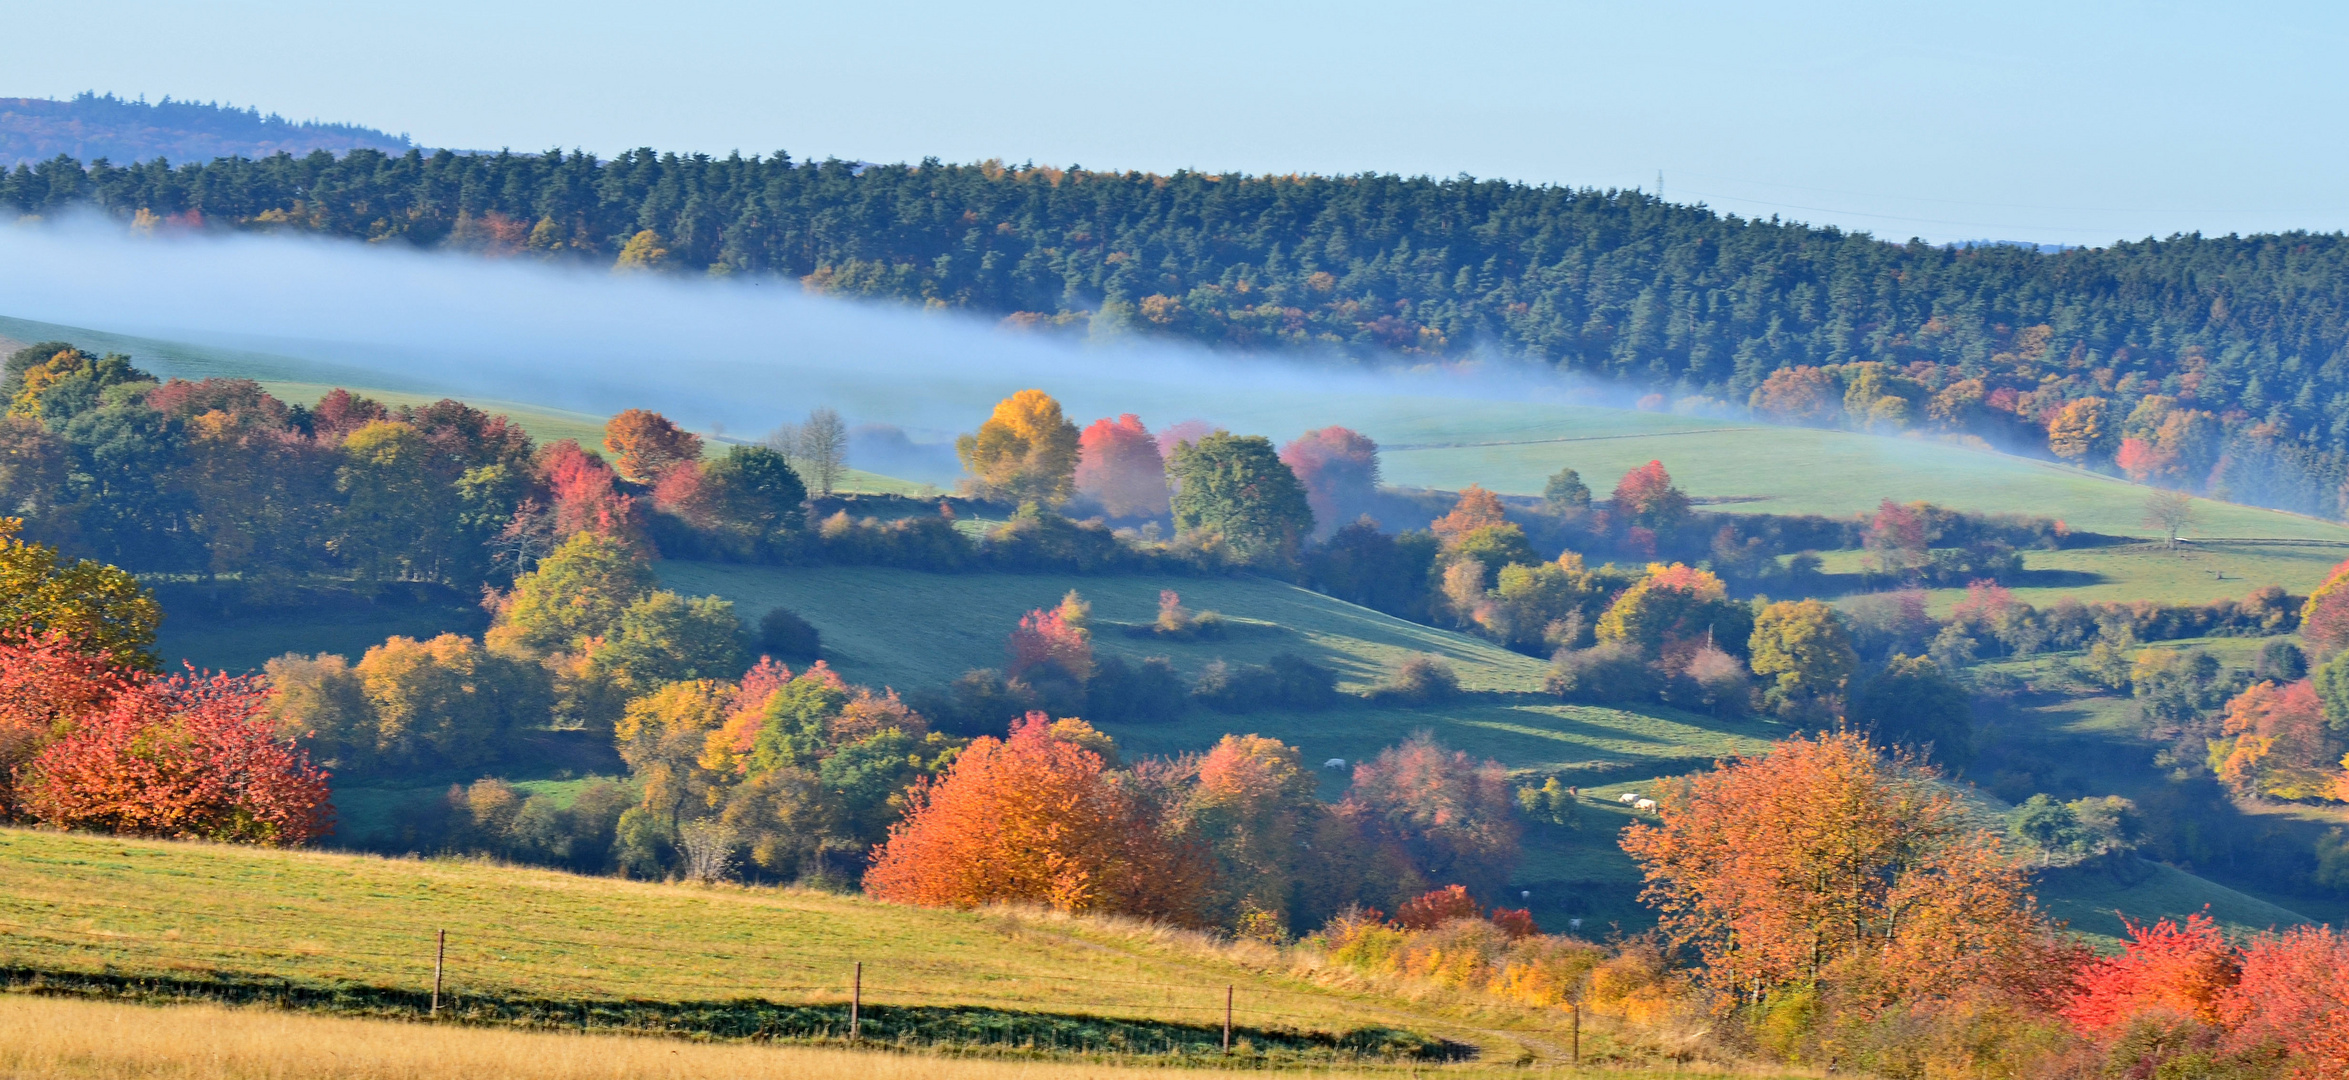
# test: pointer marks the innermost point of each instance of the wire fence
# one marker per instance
(66, 939)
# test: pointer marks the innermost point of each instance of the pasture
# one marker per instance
(160, 921)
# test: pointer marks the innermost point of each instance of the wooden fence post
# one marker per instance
(856, 1001)
(440, 956)
(1577, 1033)
(1227, 1018)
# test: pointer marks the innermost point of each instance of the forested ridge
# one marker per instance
(2211, 364)
(92, 126)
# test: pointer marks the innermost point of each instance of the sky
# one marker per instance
(2046, 122)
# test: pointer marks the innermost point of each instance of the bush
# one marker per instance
(1609, 672)
(1286, 681)
(1150, 691)
(784, 634)
(1422, 679)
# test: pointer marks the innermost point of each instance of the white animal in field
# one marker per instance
(1334, 763)
(1627, 798)
(1644, 805)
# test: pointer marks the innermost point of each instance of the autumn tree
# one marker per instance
(2293, 991)
(1797, 395)
(1035, 819)
(1234, 490)
(1672, 610)
(645, 445)
(823, 448)
(1025, 452)
(99, 609)
(1804, 654)
(663, 637)
(2171, 512)
(1253, 808)
(1898, 540)
(2080, 431)
(2277, 742)
(1454, 817)
(445, 702)
(578, 592)
(2324, 619)
(192, 757)
(48, 685)
(1119, 467)
(1476, 511)
(2182, 970)
(1646, 498)
(1339, 468)
(1820, 863)
(1056, 639)
(585, 494)
(753, 491)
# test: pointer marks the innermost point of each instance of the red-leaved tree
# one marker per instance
(1048, 637)
(46, 686)
(1118, 466)
(1455, 818)
(585, 496)
(2166, 967)
(1035, 819)
(191, 756)
(2294, 991)
(2324, 621)
(646, 445)
(1339, 468)
(1646, 498)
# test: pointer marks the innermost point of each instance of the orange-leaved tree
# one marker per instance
(1823, 863)
(1051, 638)
(1035, 819)
(2324, 620)
(1646, 498)
(1119, 466)
(646, 445)
(1025, 452)
(190, 756)
(2181, 970)
(1476, 509)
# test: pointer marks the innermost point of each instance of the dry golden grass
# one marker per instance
(48, 1037)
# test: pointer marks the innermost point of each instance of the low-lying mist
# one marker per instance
(714, 353)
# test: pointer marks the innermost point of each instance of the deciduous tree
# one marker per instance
(1025, 452)
(1455, 817)
(1819, 863)
(645, 445)
(1646, 498)
(1802, 650)
(1119, 467)
(1339, 468)
(1234, 488)
(1040, 820)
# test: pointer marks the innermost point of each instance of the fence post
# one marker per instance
(440, 956)
(856, 1001)
(1227, 1018)
(1577, 1033)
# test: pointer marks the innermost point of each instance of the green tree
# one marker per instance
(664, 638)
(395, 510)
(755, 490)
(1911, 703)
(1236, 488)
(1676, 604)
(579, 591)
(447, 702)
(1566, 493)
(1801, 649)
(2332, 690)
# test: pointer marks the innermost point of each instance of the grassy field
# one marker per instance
(537, 947)
(2190, 574)
(83, 1040)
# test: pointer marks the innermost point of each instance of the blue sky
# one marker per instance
(2051, 122)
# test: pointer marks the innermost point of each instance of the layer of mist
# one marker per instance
(715, 354)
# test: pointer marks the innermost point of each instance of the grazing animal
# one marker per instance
(1644, 804)
(1334, 763)
(1627, 798)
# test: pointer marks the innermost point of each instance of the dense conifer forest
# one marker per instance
(2211, 364)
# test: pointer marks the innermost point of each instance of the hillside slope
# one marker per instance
(187, 915)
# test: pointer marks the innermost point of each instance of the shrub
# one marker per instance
(783, 633)
(1609, 672)
(1149, 691)
(1422, 679)
(1286, 681)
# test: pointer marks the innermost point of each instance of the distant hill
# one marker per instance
(93, 126)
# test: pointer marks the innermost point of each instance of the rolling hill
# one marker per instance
(90, 126)
(162, 921)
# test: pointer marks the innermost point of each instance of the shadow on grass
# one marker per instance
(975, 1028)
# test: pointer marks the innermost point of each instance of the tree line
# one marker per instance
(2236, 341)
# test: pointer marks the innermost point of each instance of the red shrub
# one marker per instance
(2166, 968)
(191, 756)
(2294, 991)
(1434, 909)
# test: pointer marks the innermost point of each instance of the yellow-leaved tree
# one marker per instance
(1025, 452)
(102, 609)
